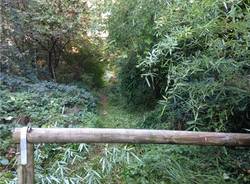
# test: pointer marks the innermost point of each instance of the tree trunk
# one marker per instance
(51, 66)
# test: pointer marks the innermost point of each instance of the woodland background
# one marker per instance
(156, 64)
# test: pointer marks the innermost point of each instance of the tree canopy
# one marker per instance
(44, 28)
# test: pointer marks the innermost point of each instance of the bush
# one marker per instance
(198, 101)
(189, 165)
(133, 87)
(198, 50)
(82, 64)
(44, 103)
(16, 63)
(201, 67)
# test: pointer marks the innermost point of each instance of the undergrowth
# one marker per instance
(47, 104)
(94, 163)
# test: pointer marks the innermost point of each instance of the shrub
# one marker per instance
(133, 87)
(201, 66)
(206, 97)
(45, 102)
(82, 64)
(198, 50)
(189, 165)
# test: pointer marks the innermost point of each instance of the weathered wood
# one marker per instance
(30, 174)
(135, 136)
(20, 168)
(25, 173)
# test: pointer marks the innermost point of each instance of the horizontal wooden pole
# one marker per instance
(134, 136)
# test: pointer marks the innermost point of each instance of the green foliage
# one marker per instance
(207, 90)
(131, 32)
(83, 65)
(41, 30)
(130, 24)
(45, 102)
(193, 55)
(14, 62)
(133, 87)
(42, 104)
(188, 165)
(201, 88)
(198, 60)
(206, 96)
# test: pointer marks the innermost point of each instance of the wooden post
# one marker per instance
(20, 168)
(25, 173)
(134, 136)
(30, 175)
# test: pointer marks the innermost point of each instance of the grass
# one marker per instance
(173, 164)
(116, 116)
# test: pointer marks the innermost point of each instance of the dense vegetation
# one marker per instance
(42, 34)
(181, 65)
(194, 56)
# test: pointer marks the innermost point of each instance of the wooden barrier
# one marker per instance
(134, 136)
